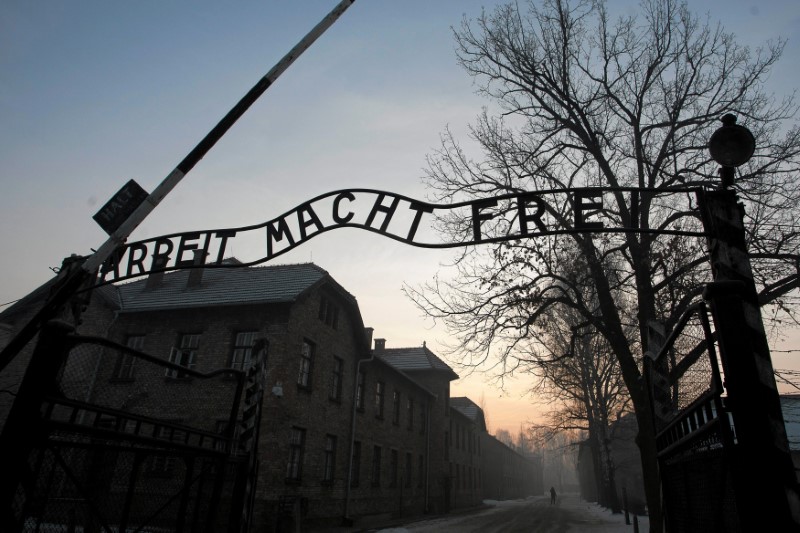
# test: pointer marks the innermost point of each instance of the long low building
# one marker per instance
(345, 431)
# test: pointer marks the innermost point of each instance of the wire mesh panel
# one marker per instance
(134, 442)
(685, 371)
(111, 378)
(98, 485)
(699, 492)
(693, 432)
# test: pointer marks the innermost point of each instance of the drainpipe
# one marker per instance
(346, 518)
(428, 457)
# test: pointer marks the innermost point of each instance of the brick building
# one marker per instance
(346, 431)
(483, 467)
(467, 429)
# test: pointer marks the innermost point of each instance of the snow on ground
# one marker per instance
(611, 523)
(598, 519)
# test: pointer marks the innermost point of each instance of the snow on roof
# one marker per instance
(222, 286)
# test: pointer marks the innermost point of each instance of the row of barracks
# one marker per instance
(350, 429)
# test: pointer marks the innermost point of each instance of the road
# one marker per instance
(534, 515)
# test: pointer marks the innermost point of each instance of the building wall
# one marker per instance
(288, 407)
(464, 461)
(399, 435)
(439, 483)
(507, 474)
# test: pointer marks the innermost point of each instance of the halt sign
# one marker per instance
(120, 206)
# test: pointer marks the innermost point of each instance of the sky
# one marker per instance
(95, 93)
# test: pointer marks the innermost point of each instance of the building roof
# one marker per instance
(223, 286)
(466, 406)
(470, 409)
(790, 405)
(415, 359)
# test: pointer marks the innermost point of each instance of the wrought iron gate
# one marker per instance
(104, 452)
(694, 433)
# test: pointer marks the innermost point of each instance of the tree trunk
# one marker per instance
(646, 441)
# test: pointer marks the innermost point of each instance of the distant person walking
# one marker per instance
(552, 496)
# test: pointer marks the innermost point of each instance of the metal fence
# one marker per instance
(126, 441)
(694, 434)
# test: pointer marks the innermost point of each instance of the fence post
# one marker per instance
(766, 485)
(625, 503)
(24, 428)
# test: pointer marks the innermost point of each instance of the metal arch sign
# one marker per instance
(491, 220)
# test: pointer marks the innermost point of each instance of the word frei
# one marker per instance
(395, 216)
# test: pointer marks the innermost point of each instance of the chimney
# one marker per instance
(368, 335)
(154, 278)
(196, 272)
(380, 345)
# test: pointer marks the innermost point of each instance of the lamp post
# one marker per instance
(762, 470)
(731, 146)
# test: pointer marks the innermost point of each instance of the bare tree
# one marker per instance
(504, 436)
(586, 101)
(592, 396)
(486, 420)
(558, 448)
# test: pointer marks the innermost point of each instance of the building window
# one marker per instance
(125, 361)
(355, 472)
(379, 394)
(163, 464)
(446, 445)
(423, 417)
(408, 469)
(297, 441)
(243, 349)
(360, 388)
(184, 356)
(420, 471)
(376, 466)
(393, 468)
(329, 312)
(410, 410)
(329, 460)
(336, 379)
(396, 407)
(306, 363)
